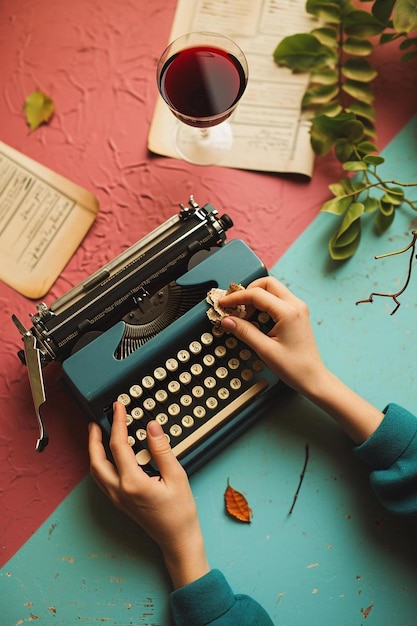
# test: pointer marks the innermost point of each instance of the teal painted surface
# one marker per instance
(339, 559)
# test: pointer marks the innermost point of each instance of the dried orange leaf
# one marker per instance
(236, 504)
(38, 108)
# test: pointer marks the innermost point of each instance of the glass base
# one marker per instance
(203, 146)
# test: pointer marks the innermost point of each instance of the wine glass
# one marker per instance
(202, 76)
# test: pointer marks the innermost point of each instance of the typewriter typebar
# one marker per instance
(138, 286)
(202, 385)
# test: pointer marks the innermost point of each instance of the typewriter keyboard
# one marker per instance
(200, 386)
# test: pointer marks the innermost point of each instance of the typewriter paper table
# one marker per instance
(68, 557)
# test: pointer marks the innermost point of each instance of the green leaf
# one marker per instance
(383, 221)
(354, 166)
(357, 46)
(350, 129)
(343, 150)
(359, 69)
(328, 12)
(363, 110)
(382, 9)
(326, 35)
(303, 53)
(342, 247)
(362, 24)
(405, 16)
(394, 196)
(319, 94)
(338, 205)
(366, 147)
(331, 109)
(373, 159)
(359, 91)
(38, 108)
(370, 204)
(324, 76)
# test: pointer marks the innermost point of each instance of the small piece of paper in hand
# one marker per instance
(216, 313)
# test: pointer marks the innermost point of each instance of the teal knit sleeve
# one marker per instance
(210, 600)
(391, 452)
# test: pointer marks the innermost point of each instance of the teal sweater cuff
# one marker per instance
(391, 452)
(210, 600)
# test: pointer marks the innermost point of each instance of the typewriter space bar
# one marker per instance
(221, 416)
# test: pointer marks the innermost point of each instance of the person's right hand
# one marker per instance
(289, 349)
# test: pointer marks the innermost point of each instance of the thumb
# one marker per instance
(160, 450)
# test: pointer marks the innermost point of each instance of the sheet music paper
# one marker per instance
(269, 132)
(43, 219)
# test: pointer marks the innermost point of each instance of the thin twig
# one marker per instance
(395, 295)
(301, 480)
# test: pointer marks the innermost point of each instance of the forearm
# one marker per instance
(357, 417)
(187, 562)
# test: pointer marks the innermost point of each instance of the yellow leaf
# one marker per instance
(38, 108)
(236, 505)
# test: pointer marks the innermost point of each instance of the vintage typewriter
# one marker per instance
(137, 331)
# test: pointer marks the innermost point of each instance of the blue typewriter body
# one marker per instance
(137, 331)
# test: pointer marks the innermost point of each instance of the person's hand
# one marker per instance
(289, 349)
(162, 505)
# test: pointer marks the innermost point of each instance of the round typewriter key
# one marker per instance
(171, 365)
(231, 343)
(245, 354)
(195, 347)
(263, 318)
(149, 404)
(220, 351)
(161, 395)
(218, 331)
(143, 457)
(196, 369)
(233, 363)
(222, 372)
(208, 360)
(148, 382)
(162, 418)
(185, 378)
(174, 409)
(211, 403)
(223, 393)
(235, 384)
(160, 373)
(187, 421)
(246, 374)
(131, 440)
(129, 419)
(186, 400)
(137, 413)
(183, 356)
(136, 391)
(124, 398)
(258, 365)
(199, 412)
(141, 434)
(175, 430)
(206, 339)
(174, 386)
(197, 391)
(210, 382)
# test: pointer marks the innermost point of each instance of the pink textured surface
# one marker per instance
(97, 60)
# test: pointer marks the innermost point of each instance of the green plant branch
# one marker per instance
(339, 101)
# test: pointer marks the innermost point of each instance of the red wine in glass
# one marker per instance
(202, 76)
